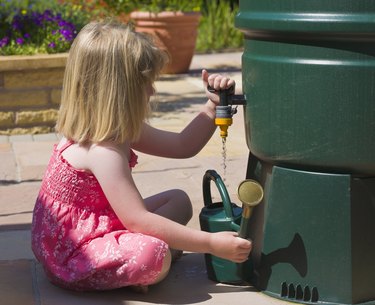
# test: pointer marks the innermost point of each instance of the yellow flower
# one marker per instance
(24, 12)
(77, 7)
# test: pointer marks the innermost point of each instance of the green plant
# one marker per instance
(216, 29)
(170, 5)
(116, 7)
(156, 6)
(39, 26)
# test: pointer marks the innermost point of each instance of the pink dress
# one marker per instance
(80, 241)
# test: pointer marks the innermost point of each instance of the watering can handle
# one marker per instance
(207, 199)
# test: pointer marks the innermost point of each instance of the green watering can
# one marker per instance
(227, 216)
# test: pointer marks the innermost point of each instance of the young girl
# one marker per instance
(91, 228)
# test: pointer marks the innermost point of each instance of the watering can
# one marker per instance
(227, 216)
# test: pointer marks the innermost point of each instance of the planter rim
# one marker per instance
(30, 62)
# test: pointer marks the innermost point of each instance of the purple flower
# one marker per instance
(47, 15)
(4, 41)
(19, 41)
(30, 27)
(68, 35)
(38, 18)
(16, 25)
(62, 23)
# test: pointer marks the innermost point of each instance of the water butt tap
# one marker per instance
(225, 109)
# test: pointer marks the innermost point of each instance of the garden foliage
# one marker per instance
(49, 26)
(38, 26)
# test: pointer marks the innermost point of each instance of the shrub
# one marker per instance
(169, 5)
(49, 26)
(155, 6)
(216, 29)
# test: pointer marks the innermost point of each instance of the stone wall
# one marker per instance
(30, 92)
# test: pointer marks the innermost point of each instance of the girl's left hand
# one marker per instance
(216, 81)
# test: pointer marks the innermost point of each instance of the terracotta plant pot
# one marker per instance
(175, 32)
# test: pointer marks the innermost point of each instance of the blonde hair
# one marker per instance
(109, 70)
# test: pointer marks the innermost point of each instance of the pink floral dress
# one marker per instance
(78, 238)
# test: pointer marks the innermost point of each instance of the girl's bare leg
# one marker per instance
(165, 269)
(173, 204)
(162, 275)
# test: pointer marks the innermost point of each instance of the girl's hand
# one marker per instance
(229, 246)
(216, 81)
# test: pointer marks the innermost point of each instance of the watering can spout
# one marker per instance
(250, 193)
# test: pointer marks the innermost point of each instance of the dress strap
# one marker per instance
(65, 146)
(133, 159)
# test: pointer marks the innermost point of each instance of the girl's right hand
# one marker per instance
(229, 246)
(217, 82)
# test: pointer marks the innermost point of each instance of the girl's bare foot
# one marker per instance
(143, 289)
(176, 254)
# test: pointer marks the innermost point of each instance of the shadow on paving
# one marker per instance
(175, 105)
(187, 283)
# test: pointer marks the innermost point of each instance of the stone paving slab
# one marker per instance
(32, 158)
(16, 204)
(16, 282)
(8, 168)
(15, 245)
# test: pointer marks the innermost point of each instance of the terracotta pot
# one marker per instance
(175, 32)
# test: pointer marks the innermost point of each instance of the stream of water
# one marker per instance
(224, 155)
